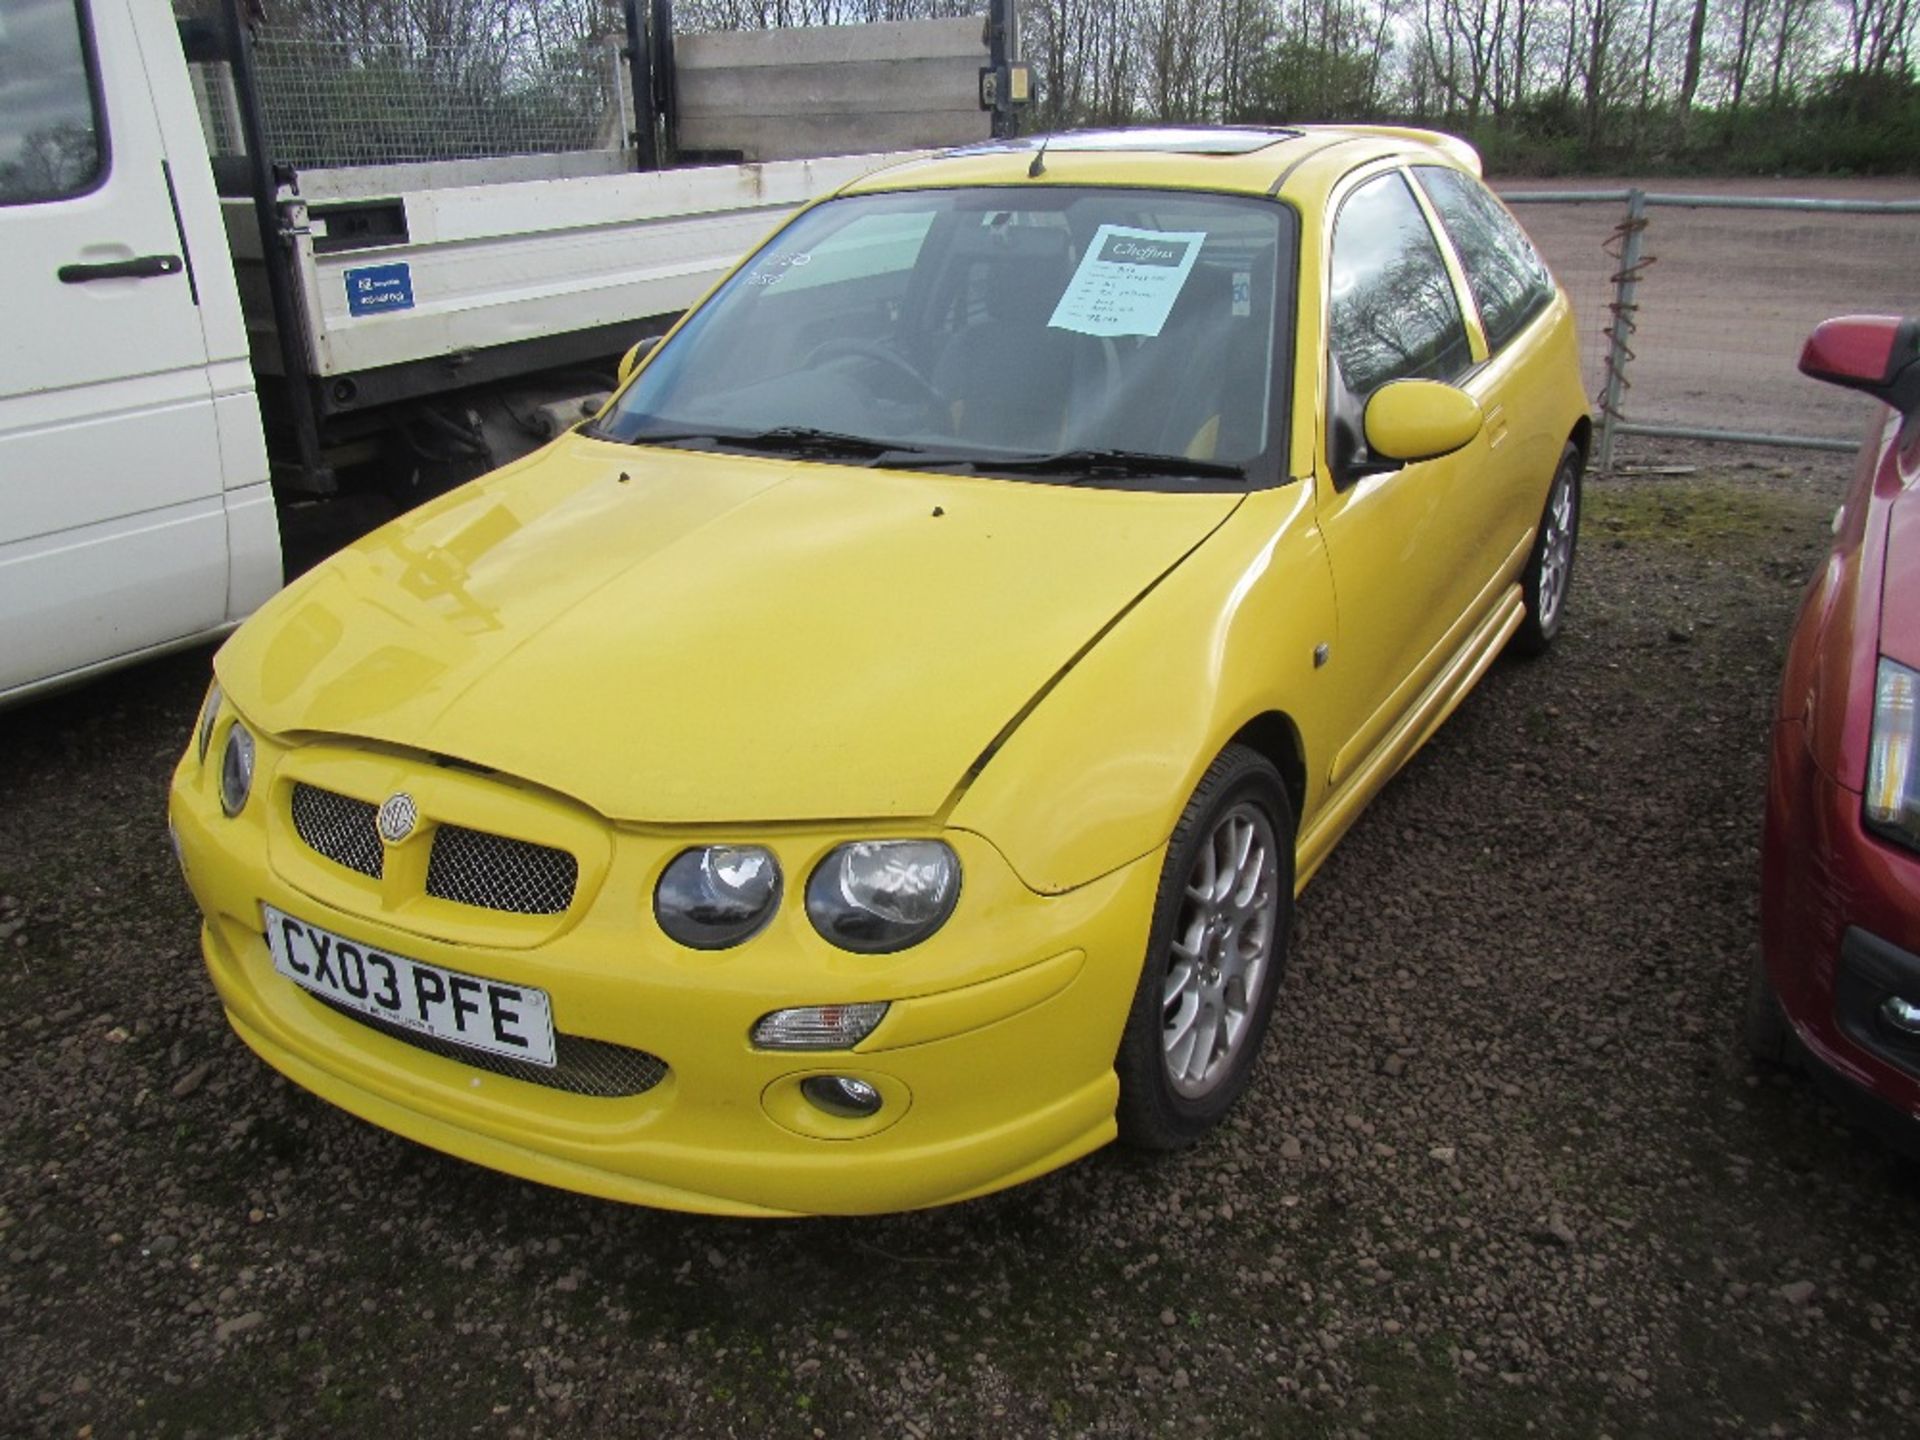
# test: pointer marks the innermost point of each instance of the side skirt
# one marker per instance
(1440, 699)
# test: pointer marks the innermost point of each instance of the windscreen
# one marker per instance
(992, 325)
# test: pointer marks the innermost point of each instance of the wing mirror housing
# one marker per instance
(1410, 420)
(1876, 354)
(630, 361)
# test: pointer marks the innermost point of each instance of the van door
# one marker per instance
(113, 526)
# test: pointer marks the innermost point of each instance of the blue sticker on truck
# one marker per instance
(375, 288)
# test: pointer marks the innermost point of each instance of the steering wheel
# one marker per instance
(881, 354)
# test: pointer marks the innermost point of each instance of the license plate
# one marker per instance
(490, 1015)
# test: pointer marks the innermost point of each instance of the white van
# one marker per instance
(135, 512)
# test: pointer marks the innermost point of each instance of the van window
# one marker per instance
(49, 115)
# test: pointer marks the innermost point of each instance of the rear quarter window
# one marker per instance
(1509, 281)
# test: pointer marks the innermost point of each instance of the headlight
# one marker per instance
(236, 769)
(1893, 758)
(876, 896)
(209, 712)
(712, 898)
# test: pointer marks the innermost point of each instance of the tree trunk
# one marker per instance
(1690, 73)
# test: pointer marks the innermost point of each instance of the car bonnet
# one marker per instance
(675, 637)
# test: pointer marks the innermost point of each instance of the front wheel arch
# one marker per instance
(1157, 1111)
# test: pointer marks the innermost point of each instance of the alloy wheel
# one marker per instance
(1222, 944)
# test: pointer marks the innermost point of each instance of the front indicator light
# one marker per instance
(719, 896)
(877, 896)
(236, 769)
(818, 1027)
(841, 1095)
(1892, 803)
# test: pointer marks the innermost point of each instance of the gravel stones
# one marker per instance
(1625, 1238)
(190, 1081)
(240, 1325)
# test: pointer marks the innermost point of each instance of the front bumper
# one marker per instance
(995, 1060)
(1840, 931)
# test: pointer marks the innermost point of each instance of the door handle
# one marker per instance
(146, 267)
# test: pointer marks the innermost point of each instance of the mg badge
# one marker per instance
(398, 815)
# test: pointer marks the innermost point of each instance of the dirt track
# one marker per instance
(1731, 295)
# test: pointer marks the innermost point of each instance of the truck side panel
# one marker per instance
(484, 265)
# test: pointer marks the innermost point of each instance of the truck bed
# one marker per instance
(429, 264)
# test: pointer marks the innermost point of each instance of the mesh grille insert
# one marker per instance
(339, 827)
(583, 1067)
(492, 872)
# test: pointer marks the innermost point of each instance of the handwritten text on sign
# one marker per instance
(1127, 282)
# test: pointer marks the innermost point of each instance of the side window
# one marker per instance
(1395, 315)
(49, 117)
(1510, 284)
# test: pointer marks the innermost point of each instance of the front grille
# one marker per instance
(339, 827)
(582, 1066)
(471, 867)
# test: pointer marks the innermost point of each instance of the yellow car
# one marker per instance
(872, 763)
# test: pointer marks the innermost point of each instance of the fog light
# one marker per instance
(1902, 1015)
(841, 1095)
(818, 1027)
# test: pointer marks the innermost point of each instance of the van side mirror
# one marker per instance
(1410, 420)
(630, 361)
(1877, 354)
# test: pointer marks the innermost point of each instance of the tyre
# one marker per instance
(1550, 565)
(1215, 953)
(1768, 1038)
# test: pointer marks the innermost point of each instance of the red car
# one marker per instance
(1838, 985)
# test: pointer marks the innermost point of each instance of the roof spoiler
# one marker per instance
(1452, 146)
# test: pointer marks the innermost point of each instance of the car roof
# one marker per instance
(1293, 162)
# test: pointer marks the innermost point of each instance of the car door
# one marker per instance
(1408, 545)
(1510, 287)
(113, 531)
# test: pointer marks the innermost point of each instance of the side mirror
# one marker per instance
(1411, 420)
(1878, 354)
(630, 361)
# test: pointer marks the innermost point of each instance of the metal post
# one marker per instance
(276, 248)
(1003, 48)
(1626, 280)
(639, 56)
(666, 85)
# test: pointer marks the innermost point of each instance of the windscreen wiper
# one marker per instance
(783, 439)
(1091, 464)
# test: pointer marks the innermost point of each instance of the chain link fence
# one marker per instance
(1693, 307)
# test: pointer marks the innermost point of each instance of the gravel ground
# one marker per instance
(1504, 1170)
